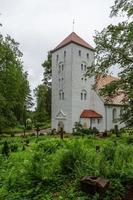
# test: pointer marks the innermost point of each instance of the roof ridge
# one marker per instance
(73, 38)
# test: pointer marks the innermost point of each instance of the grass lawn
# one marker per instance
(48, 168)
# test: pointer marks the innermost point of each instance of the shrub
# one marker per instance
(122, 130)
(115, 190)
(112, 130)
(90, 131)
(29, 127)
(123, 161)
(130, 139)
(32, 134)
(87, 131)
(109, 152)
(5, 149)
(104, 134)
(14, 147)
(78, 126)
(77, 133)
(95, 131)
(51, 168)
(12, 134)
(49, 146)
(72, 157)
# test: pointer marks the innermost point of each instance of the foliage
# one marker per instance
(130, 139)
(43, 108)
(73, 157)
(14, 86)
(114, 47)
(43, 93)
(5, 149)
(47, 65)
(28, 124)
(49, 168)
(79, 130)
(90, 131)
(78, 126)
(122, 6)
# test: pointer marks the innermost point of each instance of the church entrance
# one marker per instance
(60, 126)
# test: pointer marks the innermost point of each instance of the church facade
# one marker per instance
(73, 96)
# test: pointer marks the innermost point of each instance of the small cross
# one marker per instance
(73, 24)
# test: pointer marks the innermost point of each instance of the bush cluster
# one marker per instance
(86, 131)
(50, 168)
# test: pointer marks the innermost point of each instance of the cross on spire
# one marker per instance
(73, 24)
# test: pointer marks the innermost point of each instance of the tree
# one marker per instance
(14, 86)
(43, 98)
(47, 80)
(43, 92)
(114, 47)
(47, 65)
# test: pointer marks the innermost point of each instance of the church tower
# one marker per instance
(71, 90)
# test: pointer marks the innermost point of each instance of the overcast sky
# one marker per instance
(39, 25)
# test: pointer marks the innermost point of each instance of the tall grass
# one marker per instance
(50, 168)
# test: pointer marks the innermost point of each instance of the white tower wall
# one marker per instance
(79, 81)
(72, 84)
(65, 85)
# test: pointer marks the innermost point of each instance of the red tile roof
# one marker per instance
(90, 114)
(73, 38)
(117, 98)
(104, 80)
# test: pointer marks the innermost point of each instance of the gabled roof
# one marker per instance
(90, 114)
(115, 99)
(73, 38)
(104, 80)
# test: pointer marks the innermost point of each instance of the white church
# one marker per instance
(73, 96)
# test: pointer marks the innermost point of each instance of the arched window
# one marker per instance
(57, 57)
(83, 66)
(62, 81)
(61, 95)
(83, 95)
(114, 114)
(64, 54)
(61, 67)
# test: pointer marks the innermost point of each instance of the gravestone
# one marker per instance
(116, 130)
(93, 184)
(61, 133)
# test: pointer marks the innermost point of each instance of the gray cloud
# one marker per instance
(39, 25)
